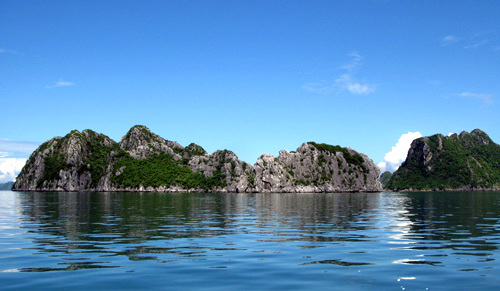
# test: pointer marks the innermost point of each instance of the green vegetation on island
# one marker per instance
(144, 161)
(467, 161)
(160, 170)
(354, 159)
(385, 177)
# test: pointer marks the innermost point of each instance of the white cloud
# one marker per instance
(355, 62)
(449, 39)
(344, 82)
(13, 156)
(318, 88)
(16, 149)
(394, 158)
(5, 51)
(472, 41)
(10, 168)
(476, 44)
(60, 84)
(485, 98)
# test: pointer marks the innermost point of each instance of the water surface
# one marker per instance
(412, 241)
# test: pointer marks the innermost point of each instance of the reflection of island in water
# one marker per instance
(152, 215)
(145, 215)
(154, 223)
(452, 216)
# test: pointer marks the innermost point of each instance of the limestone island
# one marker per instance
(459, 162)
(144, 161)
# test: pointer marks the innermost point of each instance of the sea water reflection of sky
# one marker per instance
(297, 241)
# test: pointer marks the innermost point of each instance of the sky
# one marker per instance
(250, 76)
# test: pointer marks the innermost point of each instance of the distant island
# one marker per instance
(465, 161)
(6, 186)
(144, 161)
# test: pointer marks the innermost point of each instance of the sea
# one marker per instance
(257, 241)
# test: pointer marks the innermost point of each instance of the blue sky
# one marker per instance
(250, 76)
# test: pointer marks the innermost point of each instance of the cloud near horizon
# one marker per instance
(13, 156)
(10, 168)
(60, 84)
(16, 149)
(394, 158)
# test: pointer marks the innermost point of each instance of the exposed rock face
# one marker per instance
(225, 163)
(140, 143)
(143, 161)
(70, 163)
(313, 168)
(468, 161)
(385, 177)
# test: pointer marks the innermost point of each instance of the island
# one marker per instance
(465, 161)
(144, 161)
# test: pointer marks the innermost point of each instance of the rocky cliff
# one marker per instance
(316, 168)
(468, 161)
(71, 163)
(144, 161)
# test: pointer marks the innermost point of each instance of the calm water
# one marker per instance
(392, 241)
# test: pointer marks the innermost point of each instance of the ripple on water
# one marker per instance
(232, 241)
(338, 262)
